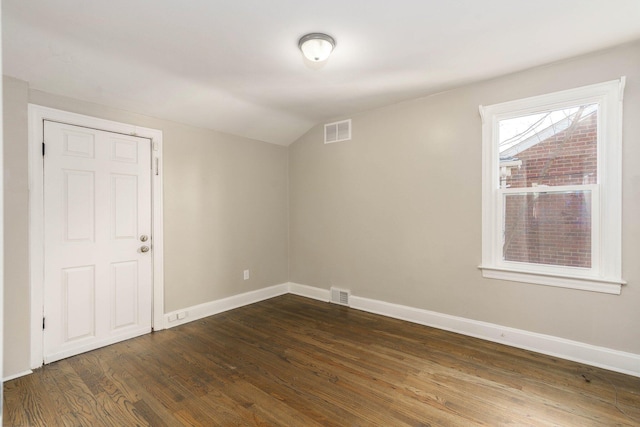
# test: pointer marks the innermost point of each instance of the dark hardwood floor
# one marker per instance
(291, 361)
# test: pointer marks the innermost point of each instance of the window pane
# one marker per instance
(548, 228)
(557, 147)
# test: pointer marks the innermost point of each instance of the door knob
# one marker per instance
(144, 238)
(144, 249)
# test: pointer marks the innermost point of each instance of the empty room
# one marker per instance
(347, 213)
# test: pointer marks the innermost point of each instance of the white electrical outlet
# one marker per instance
(246, 275)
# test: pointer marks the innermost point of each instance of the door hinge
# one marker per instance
(43, 323)
(43, 149)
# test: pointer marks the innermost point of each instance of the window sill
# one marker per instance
(571, 282)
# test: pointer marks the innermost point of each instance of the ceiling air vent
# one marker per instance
(340, 296)
(337, 131)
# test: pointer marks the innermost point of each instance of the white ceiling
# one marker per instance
(234, 66)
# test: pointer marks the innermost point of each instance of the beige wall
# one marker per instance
(16, 228)
(395, 213)
(225, 210)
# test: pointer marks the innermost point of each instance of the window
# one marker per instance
(552, 189)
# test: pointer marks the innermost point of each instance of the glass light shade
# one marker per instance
(316, 47)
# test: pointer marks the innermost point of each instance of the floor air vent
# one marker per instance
(340, 296)
(337, 131)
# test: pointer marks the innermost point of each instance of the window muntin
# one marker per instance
(552, 189)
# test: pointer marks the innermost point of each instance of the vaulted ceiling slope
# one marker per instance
(234, 66)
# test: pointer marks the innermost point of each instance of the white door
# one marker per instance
(97, 268)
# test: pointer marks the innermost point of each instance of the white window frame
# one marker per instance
(605, 273)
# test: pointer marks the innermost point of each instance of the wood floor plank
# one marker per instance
(79, 400)
(22, 405)
(292, 361)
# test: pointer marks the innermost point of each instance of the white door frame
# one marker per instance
(37, 114)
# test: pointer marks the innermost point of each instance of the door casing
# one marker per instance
(37, 115)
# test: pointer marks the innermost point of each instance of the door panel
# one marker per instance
(124, 194)
(78, 290)
(78, 143)
(98, 283)
(79, 205)
(125, 285)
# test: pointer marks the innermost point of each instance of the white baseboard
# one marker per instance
(18, 375)
(309, 291)
(200, 311)
(602, 357)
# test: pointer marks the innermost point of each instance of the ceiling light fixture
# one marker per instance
(316, 47)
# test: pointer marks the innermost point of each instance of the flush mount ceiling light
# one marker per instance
(316, 47)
